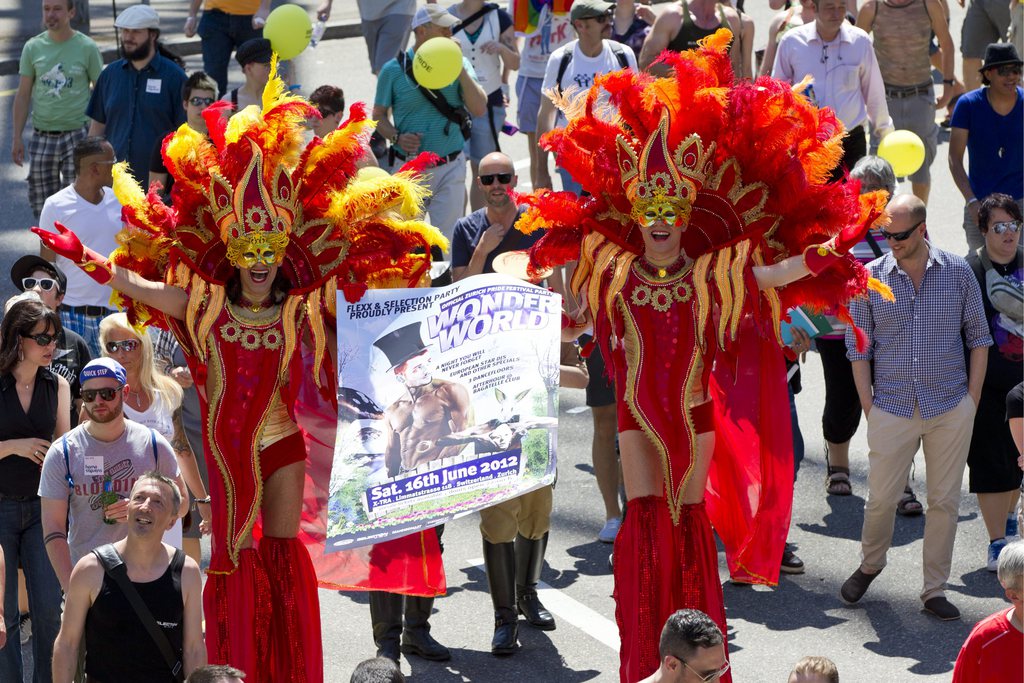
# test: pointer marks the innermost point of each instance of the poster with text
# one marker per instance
(447, 403)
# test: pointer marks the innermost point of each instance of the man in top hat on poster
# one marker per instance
(431, 408)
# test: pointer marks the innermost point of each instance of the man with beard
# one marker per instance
(137, 99)
(99, 610)
(515, 532)
(57, 67)
(100, 459)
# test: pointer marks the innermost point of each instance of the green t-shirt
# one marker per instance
(61, 74)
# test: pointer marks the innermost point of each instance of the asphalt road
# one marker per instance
(886, 638)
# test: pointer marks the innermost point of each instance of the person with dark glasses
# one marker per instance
(34, 410)
(198, 93)
(988, 123)
(513, 554)
(917, 388)
(691, 650)
(105, 454)
(31, 273)
(999, 269)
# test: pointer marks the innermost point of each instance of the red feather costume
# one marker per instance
(246, 191)
(743, 168)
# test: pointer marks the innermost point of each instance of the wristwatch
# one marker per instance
(394, 140)
(948, 81)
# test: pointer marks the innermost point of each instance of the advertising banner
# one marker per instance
(447, 402)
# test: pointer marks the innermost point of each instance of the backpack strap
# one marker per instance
(620, 54)
(234, 99)
(67, 466)
(115, 568)
(563, 66)
(152, 443)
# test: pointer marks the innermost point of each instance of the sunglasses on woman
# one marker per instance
(503, 178)
(128, 345)
(44, 283)
(1000, 228)
(107, 394)
(1009, 70)
(42, 339)
(899, 236)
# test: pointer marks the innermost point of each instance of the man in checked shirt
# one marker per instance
(916, 387)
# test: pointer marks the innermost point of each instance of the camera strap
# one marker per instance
(433, 96)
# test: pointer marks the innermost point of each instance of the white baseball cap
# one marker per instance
(433, 14)
(138, 16)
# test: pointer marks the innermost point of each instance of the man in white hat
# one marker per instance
(137, 99)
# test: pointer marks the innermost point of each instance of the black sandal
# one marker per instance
(837, 483)
(909, 505)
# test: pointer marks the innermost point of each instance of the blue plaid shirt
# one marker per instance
(917, 342)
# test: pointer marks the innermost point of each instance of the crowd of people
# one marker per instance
(115, 455)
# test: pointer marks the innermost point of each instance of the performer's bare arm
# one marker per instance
(460, 410)
(167, 299)
(781, 273)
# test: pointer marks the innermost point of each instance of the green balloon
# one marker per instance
(288, 29)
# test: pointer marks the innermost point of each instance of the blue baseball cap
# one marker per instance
(103, 367)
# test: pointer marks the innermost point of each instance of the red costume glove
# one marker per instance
(819, 257)
(66, 244)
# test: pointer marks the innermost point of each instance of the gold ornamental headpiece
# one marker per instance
(254, 220)
(662, 185)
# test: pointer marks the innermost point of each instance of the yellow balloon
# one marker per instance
(437, 63)
(288, 29)
(904, 150)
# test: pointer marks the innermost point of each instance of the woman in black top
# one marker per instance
(999, 267)
(35, 408)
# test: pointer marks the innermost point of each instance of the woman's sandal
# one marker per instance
(909, 505)
(838, 481)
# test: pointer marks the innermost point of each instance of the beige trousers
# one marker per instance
(529, 515)
(893, 441)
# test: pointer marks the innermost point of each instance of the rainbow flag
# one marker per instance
(527, 12)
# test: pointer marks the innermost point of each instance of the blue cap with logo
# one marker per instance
(103, 367)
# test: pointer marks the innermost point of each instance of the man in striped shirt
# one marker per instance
(916, 388)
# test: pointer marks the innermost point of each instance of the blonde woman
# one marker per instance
(154, 399)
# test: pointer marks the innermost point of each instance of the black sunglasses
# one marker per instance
(44, 283)
(201, 101)
(503, 178)
(900, 236)
(1000, 228)
(126, 345)
(42, 339)
(107, 394)
(1009, 70)
(601, 19)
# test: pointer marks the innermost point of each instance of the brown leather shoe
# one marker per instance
(856, 586)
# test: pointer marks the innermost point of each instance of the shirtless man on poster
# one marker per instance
(431, 409)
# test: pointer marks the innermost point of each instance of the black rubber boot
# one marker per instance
(529, 562)
(500, 562)
(416, 638)
(386, 615)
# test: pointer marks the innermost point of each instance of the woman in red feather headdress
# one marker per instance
(708, 208)
(243, 270)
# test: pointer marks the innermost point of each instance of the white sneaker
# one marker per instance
(610, 530)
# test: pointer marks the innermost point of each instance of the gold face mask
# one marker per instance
(669, 212)
(260, 249)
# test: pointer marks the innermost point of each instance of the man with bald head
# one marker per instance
(917, 388)
(489, 231)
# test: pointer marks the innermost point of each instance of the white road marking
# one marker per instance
(572, 611)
